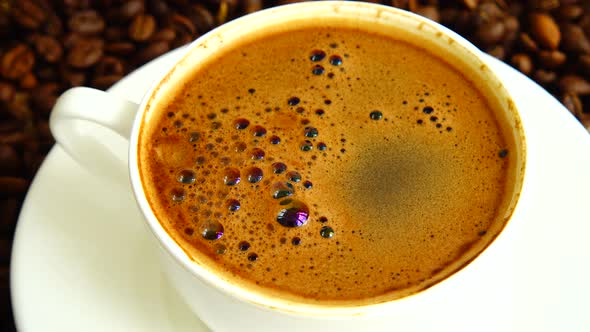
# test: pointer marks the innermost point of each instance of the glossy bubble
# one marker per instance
(254, 174)
(211, 229)
(317, 70)
(306, 146)
(310, 132)
(336, 60)
(220, 249)
(231, 176)
(278, 168)
(294, 176)
(275, 140)
(376, 115)
(252, 257)
(317, 55)
(327, 232)
(243, 245)
(241, 123)
(293, 101)
(296, 241)
(257, 154)
(307, 184)
(178, 194)
(186, 176)
(233, 205)
(281, 190)
(293, 213)
(259, 131)
(322, 146)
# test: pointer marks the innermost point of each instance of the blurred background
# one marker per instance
(49, 46)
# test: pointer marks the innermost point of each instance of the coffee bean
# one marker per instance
(152, 51)
(491, 33)
(201, 18)
(572, 103)
(85, 53)
(544, 76)
(45, 95)
(166, 34)
(7, 92)
(109, 65)
(115, 34)
(158, 7)
(28, 81)
(142, 27)
(471, 4)
(570, 12)
(182, 24)
(131, 9)
(552, 59)
(54, 26)
(528, 43)
(544, 30)
(574, 39)
(48, 48)
(251, 6)
(430, 12)
(120, 48)
(28, 14)
(11, 187)
(71, 77)
(574, 84)
(543, 4)
(17, 62)
(10, 162)
(498, 52)
(522, 62)
(87, 22)
(488, 12)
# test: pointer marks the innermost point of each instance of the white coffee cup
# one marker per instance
(221, 304)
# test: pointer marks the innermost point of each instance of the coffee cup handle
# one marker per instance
(80, 115)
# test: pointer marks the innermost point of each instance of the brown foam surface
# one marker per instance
(405, 195)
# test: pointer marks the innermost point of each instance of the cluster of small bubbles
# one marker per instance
(317, 55)
(241, 123)
(194, 136)
(327, 232)
(186, 176)
(278, 167)
(220, 249)
(307, 184)
(310, 132)
(281, 190)
(336, 60)
(244, 245)
(231, 176)
(503, 153)
(306, 146)
(293, 101)
(317, 70)
(252, 257)
(177, 194)
(257, 154)
(233, 205)
(376, 115)
(296, 241)
(294, 176)
(322, 146)
(323, 219)
(254, 174)
(275, 140)
(211, 230)
(293, 213)
(215, 125)
(259, 131)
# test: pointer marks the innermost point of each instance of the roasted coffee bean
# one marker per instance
(251, 6)
(544, 30)
(115, 34)
(87, 22)
(54, 26)
(109, 65)
(182, 24)
(544, 76)
(28, 81)
(551, 59)
(430, 12)
(158, 7)
(201, 18)
(165, 34)
(488, 12)
(152, 51)
(543, 4)
(17, 62)
(28, 14)
(130, 9)
(572, 103)
(498, 52)
(48, 48)
(7, 92)
(574, 39)
(570, 12)
(120, 48)
(528, 43)
(45, 95)
(574, 84)
(471, 4)
(491, 33)
(85, 53)
(142, 27)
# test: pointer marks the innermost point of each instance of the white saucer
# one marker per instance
(83, 261)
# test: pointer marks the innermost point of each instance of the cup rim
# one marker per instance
(168, 244)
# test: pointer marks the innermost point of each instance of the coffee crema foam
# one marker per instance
(328, 165)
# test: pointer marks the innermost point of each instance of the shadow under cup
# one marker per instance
(404, 26)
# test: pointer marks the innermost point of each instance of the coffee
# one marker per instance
(329, 164)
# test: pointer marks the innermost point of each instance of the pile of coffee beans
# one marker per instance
(48, 46)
